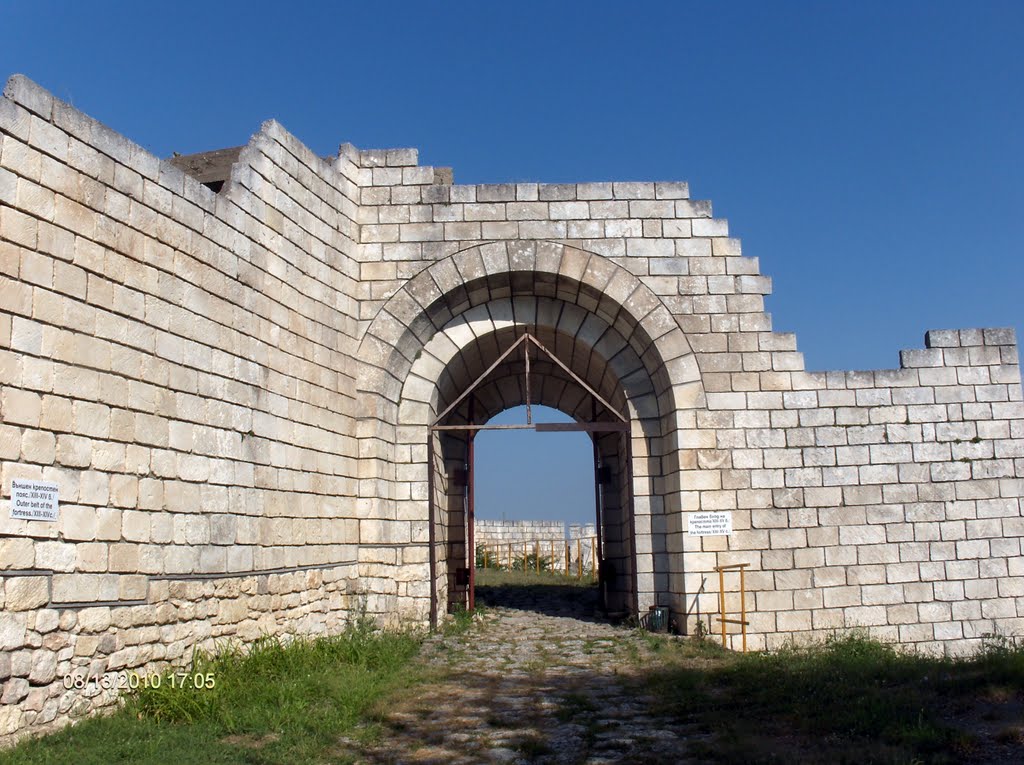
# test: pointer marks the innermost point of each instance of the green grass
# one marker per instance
(848, 699)
(276, 703)
(461, 621)
(490, 577)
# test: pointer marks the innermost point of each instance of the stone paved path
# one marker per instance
(541, 679)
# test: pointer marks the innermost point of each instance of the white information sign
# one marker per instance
(709, 524)
(34, 500)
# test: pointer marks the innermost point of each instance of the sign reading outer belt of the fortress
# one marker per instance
(34, 501)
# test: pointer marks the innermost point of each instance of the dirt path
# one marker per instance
(539, 679)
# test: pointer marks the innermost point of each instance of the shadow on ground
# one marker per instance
(571, 601)
(539, 715)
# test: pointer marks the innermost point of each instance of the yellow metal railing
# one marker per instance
(722, 614)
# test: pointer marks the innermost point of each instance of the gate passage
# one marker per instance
(465, 569)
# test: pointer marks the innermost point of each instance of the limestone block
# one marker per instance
(223, 529)
(709, 227)
(108, 523)
(74, 451)
(135, 526)
(75, 588)
(21, 407)
(27, 335)
(19, 228)
(25, 593)
(10, 442)
(55, 556)
(568, 210)
(212, 559)
(123, 557)
(14, 691)
(556, 191)
(151, 494)
(652, 248)
(16, 553)
(78, 522)
(8, 187)
(124, 490)
(94, 619)
(44, 667)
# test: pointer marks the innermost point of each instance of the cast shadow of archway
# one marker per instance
(578, 601)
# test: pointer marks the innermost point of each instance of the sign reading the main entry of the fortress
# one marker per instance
(709, 524)
(34, 501)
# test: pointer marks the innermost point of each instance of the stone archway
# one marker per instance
(445, 326)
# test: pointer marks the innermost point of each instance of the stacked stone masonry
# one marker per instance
(234, 393)
(503, 532)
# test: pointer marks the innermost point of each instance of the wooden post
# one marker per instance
(593, 559)
(721, 601)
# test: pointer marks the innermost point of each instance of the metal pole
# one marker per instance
(536, 555)
(431, 539)
(579, 557)
(529, 410)
(598, 494)
(632, 521)
(471, 509)
(743, 606)
(567, 555)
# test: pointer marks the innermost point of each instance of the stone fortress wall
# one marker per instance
(231, 391)
(499, 532)
(174, 360)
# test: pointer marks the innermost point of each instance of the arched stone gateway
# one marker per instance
(232, 395)
(449, 324)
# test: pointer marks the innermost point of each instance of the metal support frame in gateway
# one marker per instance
(620, 425)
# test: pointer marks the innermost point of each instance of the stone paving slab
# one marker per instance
(540, 678)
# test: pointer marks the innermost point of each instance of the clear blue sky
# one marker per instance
(869, 153)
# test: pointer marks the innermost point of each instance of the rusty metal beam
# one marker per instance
(585, 427)
(480, 379)
(481, 427)
(577, 378)
(524, 339)
(544, 427)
